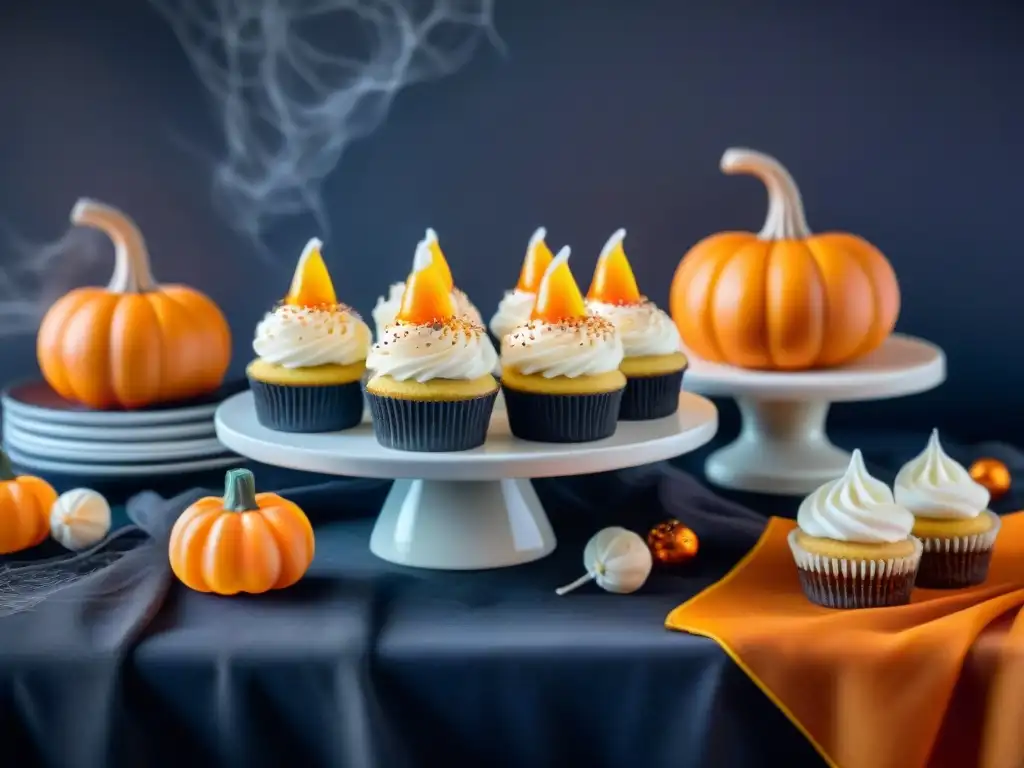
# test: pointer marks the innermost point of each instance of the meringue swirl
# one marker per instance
(855, 508)
(645, 329)
(455, 349)
(572, 348)
(936, 486)
(304, 337)
(513, 310)
(387, 308)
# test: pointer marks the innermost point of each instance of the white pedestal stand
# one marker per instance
(783, 448)
(469, 510)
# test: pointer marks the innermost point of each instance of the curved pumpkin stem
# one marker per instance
(132, 273)
(786, 219)
(6, 470)
(240, 491)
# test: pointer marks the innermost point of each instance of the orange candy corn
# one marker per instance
(538, 259)
(311, 284)
(613, 281)
(558, 296)
(430, 239)
(427, 297)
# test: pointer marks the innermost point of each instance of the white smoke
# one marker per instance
(35, 274)
(294, 82)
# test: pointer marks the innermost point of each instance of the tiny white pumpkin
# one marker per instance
(80, 518)
(617, 560)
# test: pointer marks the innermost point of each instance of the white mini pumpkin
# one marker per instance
(80, 518)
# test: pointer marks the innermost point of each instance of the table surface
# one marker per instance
(365, 663)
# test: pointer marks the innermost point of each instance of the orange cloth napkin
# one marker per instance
(882, 687)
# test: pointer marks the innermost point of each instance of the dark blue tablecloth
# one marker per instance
(367, 664)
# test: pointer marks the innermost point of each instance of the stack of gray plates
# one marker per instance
(46, 435)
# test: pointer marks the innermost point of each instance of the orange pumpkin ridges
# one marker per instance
(427, 298)
(558, 296)
(25, 503)
(782, 299)
(134, 343)
(243, 542)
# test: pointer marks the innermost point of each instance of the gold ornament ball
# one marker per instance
(992, 474)
(672, 543)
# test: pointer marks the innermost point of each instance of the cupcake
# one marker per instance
(431, 388)
(853, 545)
(516, 305)
(951, 518)
(560, 371)
(386, 309)
(653, 361)
(311, 355)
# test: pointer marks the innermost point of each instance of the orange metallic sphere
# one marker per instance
(992, 474)
(672, 543)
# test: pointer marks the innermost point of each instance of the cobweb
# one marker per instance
(295, 82)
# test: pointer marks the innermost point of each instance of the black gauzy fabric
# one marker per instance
(371, 665)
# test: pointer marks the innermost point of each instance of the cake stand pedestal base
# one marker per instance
(783, 448)
(462, 525)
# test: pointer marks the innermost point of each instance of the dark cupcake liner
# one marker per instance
(431, 425)
(958, 562)
(562, 418)
(839, 583)
(296, 408)
(651, 397)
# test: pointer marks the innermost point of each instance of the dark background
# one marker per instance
(902, 122)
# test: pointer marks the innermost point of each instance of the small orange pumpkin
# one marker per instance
(782, 299)
(244, 542)
(25, 504)
(133, 343)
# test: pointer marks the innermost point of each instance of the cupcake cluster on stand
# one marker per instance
(787, 322)
(861, 544)
(462, 498)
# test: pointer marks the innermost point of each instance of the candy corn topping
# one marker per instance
(558, 297)
(430, 240)
(538, 259)
(311, 285)
(613, 281)
(427, 298)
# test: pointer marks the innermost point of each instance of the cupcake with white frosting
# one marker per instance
(431, 388)
(311, 355)
(560, 370)
(653, 360)
(516, 305)
(387, 307)
(853, 544)
(952, 518)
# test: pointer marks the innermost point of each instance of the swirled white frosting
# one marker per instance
(387, 307)
(570, 348)
(513, 310)
(304, 337)
(453, 350)
(855, 508)
(934, 485)
(645, 329)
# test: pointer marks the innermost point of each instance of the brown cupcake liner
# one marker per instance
(960, 561)
(834, 582)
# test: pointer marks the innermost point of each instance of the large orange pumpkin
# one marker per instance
(782, 299)
(244, 542)
(133, 343)
(25, 503)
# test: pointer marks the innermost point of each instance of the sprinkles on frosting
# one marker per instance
(589, 329)
(448, 329)
(330, 317)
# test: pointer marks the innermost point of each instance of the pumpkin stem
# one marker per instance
(6, 470)
(786, 219)
(585, 579)
(240, 491)
(132, 273)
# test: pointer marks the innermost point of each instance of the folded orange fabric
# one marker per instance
(875, 688)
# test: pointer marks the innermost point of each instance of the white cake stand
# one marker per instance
(783, 448)
(469, 510)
